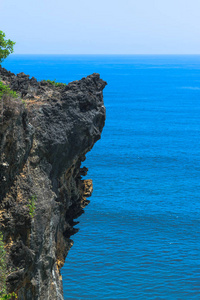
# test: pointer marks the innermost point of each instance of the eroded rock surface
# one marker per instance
(44, 136)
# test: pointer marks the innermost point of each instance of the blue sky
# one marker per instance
(102, 27)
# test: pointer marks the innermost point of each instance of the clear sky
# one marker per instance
(102, 27)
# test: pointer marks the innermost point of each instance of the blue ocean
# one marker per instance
(140, 236)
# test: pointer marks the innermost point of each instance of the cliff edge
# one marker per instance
(44, 136)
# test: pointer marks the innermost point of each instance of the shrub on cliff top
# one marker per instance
(6, 46)
(54, 83)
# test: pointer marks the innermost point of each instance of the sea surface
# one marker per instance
(140, 236)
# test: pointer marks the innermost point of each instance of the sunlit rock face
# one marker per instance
(44, 136)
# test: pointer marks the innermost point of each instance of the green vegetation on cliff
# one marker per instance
(31, 205)
(54, 83)
(3, 267)
(4, 89)
(4, 273)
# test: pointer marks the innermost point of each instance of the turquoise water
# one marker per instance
(140, 236)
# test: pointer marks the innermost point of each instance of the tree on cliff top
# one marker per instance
(6, 46)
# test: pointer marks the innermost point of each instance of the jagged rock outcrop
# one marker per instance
(44, 136)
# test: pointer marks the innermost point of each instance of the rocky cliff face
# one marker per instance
(44, 136)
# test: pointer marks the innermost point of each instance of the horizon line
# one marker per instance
(108, 54)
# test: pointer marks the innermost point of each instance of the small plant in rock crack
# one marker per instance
(31, 205)
(24, 103)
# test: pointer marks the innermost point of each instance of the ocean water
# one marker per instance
(140, 236)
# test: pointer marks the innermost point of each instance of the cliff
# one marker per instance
(44, 136)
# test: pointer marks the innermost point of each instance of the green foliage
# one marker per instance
(4, 273)
(53, 82)
(4, 89)
(3, 266)
(8, 296)
(24, 103)
(31, 205)
(6, 46)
